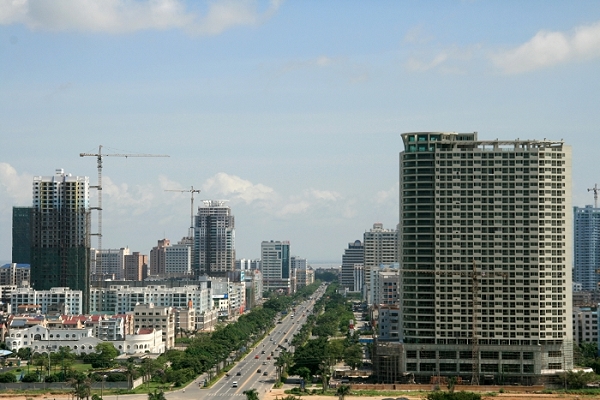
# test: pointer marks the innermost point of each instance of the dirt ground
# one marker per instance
(278, 394)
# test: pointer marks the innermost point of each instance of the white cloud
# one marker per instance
(15, 186)
(128, 201)
(239, 188)
(450, 60)
(324, 195)
(550, 48)
(294, 208)
(123, 16)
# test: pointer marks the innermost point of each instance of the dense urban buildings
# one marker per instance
(586, 261)
(214, 239)
(59, 233)
(275, 265)
(485, 237)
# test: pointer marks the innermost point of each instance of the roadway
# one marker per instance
(247, 368)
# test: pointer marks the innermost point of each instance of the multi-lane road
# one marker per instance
(257, 370)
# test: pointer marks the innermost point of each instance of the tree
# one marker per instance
(251, 394)
(353, 355)
(24, 353)
(105, 354)
(7, 377)
(157, 395)
(305, 374)
(343, 391)
(82, 386)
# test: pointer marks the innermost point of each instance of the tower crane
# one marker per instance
(191, 191)
(99, 156)
(595, 189)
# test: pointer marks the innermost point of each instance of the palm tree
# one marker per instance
(343, 391)
(251, 394)
(156, 395)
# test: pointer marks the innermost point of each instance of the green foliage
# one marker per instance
(579, 379)
(343, 391)
(7, 377)
(24, 353)
(251, 394)
(31, 377)
(156, 395)
(437, 395)
(353, 355)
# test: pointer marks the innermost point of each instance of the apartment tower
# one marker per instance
(380, 248)
(353, 255)
(485, 257)
(587, 247)
(276, 265)
(214, 239)
(60, 233)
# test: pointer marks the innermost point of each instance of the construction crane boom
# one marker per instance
(595, 189)
(191, 191)
(98, 187)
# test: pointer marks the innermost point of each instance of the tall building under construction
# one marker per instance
(60, 233)
(485, 249)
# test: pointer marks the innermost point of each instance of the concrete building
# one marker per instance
(59, 233)
(353, 255)
(158, 318)
(586, 232)
(121, 299)
(276, 266)
(485, 236)
(158, 258)
(380, 247)
(384, 285)
(178, 259)
(254, 288)
(109, 263)
(304, 277)
(214, 239)
(15, 274)
(388, 322)
(245, 264)
(136, 266)
(585, 325)
(56, 300)
(359, 277)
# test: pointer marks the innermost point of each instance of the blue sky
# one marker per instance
(290, 110)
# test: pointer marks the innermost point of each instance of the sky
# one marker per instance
(291, 111)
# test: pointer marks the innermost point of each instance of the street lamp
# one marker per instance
(102, 387)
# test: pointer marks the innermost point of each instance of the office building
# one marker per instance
(586, 247)
(60, 233)
(245, 264)
(214, 239)
(15, 274)
(275, 266)
(178, 259)
(485, 237)
(109, 263)
(353, 255)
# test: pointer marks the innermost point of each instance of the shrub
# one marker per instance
(7, 377)
(31, 377)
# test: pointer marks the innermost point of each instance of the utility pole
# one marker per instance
(99, 157)
(595, 189)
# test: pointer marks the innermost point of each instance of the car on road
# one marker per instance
(258, 371)
(256, 356)
(265, 373)
(239, 373)
(234, 384)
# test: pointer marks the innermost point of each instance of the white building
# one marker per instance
(384, 285)
(585, 325)
(121, 299)
(178, 259)
(109, 263)
(159, 318)
(380, 246)
(59, 299)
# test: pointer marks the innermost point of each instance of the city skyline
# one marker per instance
(291, 111)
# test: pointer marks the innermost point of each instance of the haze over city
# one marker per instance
(291, 111)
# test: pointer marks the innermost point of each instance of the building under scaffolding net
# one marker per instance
(60, 233)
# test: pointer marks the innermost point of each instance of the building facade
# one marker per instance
(485, 237)
(276, 266)
(353, 255)
(214, 239)
(60, 233)
(380, 248)
(586, 232)
(15, 274)
(136, 266)
(158, 258)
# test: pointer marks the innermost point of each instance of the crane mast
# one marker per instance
(98, 187)
(595, 189)
(191, 191)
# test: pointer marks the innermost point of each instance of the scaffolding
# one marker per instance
(387, 362)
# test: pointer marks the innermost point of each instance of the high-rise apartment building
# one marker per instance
(60, 233)
(214, 239)
(178, 260)
(136, 266)
(587, 247)
(109, 263)
(158, 258)
(353, 255)
(21, 235)
(485, 252)
(380, 248)
(275, 265)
